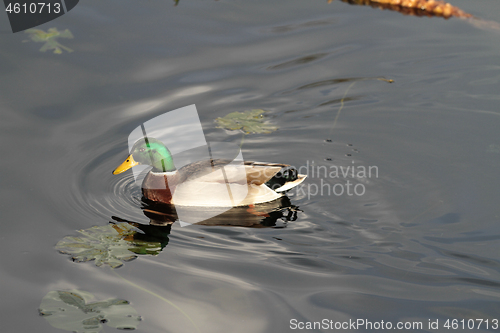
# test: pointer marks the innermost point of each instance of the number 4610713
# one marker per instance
(33, 8)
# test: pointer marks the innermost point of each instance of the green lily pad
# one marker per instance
(72, 311)
(49, 38)
(250, 121)
(107, 245)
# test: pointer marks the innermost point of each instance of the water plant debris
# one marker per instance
(73, 311)
(50, 39)
(250, 122)
(107, 245)
(414, 7)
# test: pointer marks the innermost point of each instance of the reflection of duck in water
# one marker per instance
(206, 183)
(261, 216)
(254, 216)
(143, 237)
(124, 240)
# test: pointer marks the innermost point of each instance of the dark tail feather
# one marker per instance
(287, 174)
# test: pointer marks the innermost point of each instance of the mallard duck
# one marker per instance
(209, 183)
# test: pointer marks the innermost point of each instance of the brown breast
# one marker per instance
(159, 187)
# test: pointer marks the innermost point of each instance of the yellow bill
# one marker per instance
(129, 162)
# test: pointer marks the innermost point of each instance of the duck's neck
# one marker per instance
(164, 165)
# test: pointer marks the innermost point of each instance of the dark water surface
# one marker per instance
(421, 243)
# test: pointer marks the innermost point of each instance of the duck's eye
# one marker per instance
(142, 149)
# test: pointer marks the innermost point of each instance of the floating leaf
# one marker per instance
(250, 121)
(49, 38)
(414, 7)
(72, 311)
(110, 245)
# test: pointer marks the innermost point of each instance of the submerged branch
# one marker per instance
(414, 7)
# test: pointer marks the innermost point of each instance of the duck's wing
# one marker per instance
(259, 173)
(220, 171)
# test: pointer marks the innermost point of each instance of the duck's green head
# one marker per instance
(148, 151)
